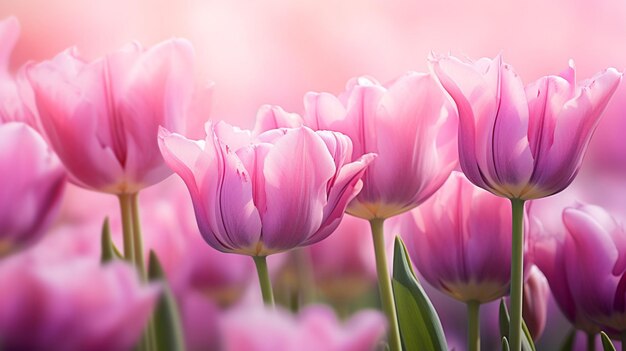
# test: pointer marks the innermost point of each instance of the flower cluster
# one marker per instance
(450, 160)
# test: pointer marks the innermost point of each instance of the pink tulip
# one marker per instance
(74, 304)
(14, 91)
(536, 294)
(315, 328)
(522, 142)
(550, 237)
(31, 189)
(102, 117)
(594, 266)
(200, 321)
(283, 189)
(170, 230)
(343, 266)
(409, 123)
(460, 241)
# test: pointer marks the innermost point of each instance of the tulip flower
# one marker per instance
(411, 125)
(343, 267)
(549, 234)
(31, 189)
(102, 119)
(257, 196)
(521, 142)
(314, 328)
(458, 240)
(584, 266)
(72, 305)
(536, 294)
(171, 231)
(13, 90)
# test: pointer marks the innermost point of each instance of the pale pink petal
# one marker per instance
(475, 99)
(296, 172)
(512, 160)
(9, 33)
(155, 91)
(572, 129)
(409, 167)
(272, 117)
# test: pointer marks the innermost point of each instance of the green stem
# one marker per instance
(384, 284)
(150, 339)
(591, 342)
(517, 275)
(137, 240)
(473, 324)
(264, 279)
(623, 340)
(127, 226)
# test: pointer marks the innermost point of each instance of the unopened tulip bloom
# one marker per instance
(314, 328)
(593, 268)
(459, 241)
(536, 295)
(72, 305)
(411, 124)
(522, 142)
(257, 196)
(31, 189)
(549, 235)
(102, 119)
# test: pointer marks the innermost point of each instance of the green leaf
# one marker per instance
(505, 320)
(607, 345)
(505, 344)
(108, 249)
(568, 342)
(420, 327)
(168, 326)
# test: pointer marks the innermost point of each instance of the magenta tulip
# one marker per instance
(409, 123)
(102, 117)
(459, 240)
(586, 269)
(536, 294)
(71, 305)
(522, 142)
(549, 235)
(31, 189)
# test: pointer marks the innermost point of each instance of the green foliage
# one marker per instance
(420, 327)
(505, 320)
(168, 327)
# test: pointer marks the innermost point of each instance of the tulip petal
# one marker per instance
(296, 172)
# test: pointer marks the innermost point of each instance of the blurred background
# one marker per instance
(273, 52)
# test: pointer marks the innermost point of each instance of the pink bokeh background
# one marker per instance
(274, 51)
